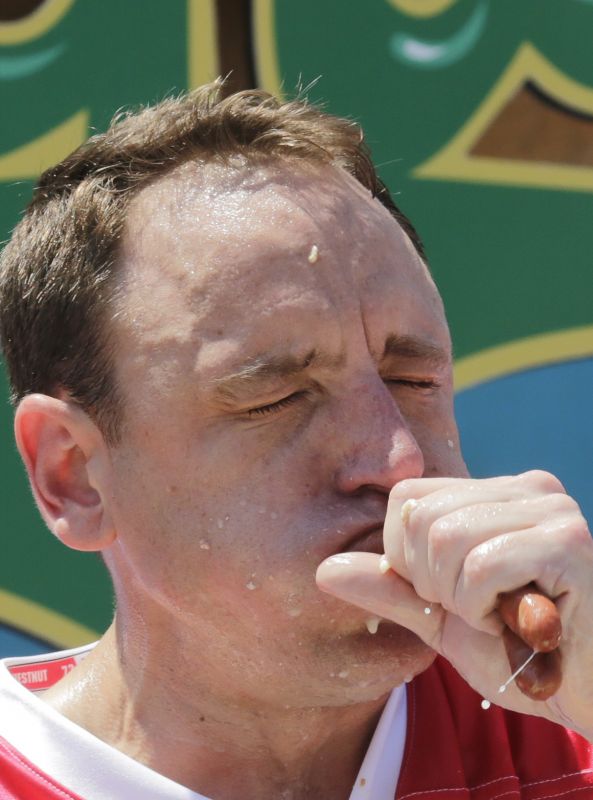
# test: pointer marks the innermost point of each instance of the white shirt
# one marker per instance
(92, 769)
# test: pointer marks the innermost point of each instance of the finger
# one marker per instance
(533, 617)
(435, 556)
(542, 676)
(357, 579)
(410, 516)
(509, 562)
(406, 493)
(420, 487)
(526, 484)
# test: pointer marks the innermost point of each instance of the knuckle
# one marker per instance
(419, 518)
(441, 535)
(575, 533)
(542, 481)
(476, 567)
(468, 589)
(565, 520)
(560, 503)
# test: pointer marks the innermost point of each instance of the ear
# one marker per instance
(67, 461)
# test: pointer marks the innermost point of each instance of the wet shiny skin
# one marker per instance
(238, 473)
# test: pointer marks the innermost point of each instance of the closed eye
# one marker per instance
(271, 408)
(426, 385)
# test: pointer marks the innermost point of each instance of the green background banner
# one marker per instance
(480, 116)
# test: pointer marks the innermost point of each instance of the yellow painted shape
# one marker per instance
(454, 162)
(29, 160)
(266, 50)
(523, 354)
(422, 8)
(30, 617)
(36, 24)
(202, 50)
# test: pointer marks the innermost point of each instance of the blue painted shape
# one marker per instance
(14, 67)
(426, 54)
(537, 419)
(18, 643)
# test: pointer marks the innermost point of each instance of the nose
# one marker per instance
(378, 448)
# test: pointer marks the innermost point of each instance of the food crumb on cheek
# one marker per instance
(313, 254)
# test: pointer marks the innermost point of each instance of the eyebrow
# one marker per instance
(267, 366)
(416, 349)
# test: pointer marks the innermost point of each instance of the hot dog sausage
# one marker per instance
(533, 623)
(533, 617)
(542, 677)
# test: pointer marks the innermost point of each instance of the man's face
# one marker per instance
(284, 361)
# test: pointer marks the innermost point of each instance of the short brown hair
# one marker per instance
(56, 271)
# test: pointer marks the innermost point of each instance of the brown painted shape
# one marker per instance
(532, 126)
(13, 10)
(233, 19)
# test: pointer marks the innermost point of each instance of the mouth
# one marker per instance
(369, 541)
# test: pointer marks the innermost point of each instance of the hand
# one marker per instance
(455, 549)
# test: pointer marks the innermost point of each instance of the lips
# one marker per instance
(370, 541)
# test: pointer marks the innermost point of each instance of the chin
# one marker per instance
(363, 667)
(396, 649)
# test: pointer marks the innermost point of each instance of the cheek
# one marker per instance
(444, 459)
(437, 435)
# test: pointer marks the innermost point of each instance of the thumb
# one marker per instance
(358, 579)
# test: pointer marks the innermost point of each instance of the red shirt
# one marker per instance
(457, 751)
(21, 780)
(454, 751)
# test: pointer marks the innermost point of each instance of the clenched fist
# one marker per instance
(456, 551)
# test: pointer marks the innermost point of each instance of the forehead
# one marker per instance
(211, 216)
(215, 253)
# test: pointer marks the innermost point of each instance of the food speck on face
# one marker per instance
(372, 624)
(225, 296)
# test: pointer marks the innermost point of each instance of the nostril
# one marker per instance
(15, 10)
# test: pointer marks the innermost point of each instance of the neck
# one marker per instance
(223, 745)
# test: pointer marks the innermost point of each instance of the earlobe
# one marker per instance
(67, 463)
